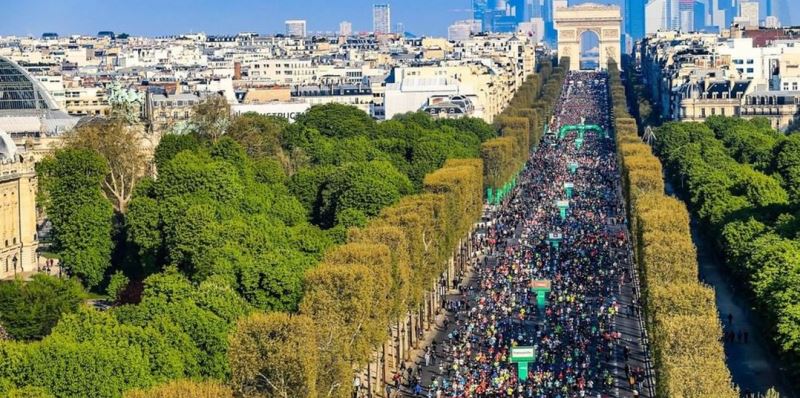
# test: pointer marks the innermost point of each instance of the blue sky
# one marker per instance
(162, 17)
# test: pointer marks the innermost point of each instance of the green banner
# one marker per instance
(522, 371)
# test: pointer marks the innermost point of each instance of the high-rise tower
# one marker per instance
(634, 19)
(381, 19)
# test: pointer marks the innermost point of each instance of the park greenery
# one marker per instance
(680, 312)
(250, 257)
(741, 178)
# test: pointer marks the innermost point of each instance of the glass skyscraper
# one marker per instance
(381, 19)
(502, 15)
(634, 19)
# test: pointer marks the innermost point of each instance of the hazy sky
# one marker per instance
(163, 17)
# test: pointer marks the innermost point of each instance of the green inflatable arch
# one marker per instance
(581, 129)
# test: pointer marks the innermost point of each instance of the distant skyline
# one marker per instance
(170, 17)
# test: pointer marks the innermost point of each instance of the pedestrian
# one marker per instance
(356, 386)
(417, 389)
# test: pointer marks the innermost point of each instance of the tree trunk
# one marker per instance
(400, 343)
(385, 378)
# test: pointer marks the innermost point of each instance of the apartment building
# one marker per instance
(746, 73)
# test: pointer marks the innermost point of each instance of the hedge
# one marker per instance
(680, 312)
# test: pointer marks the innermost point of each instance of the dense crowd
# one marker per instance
(577, 345)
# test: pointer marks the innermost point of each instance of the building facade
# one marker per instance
(345, 28)
(694, 76)
(18, 234)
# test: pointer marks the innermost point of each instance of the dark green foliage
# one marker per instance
(178, 331)
(351, 218)
(259, 135)
(222, 230)
(787, 163)
(364, 186)
(172, 144)
(193, 173)
(337, 121)
(722, 166)
(307, 185)
(219, 215)
(28, 310)
(80, 213)
(268, 171)
(407, 148)
(748, 141)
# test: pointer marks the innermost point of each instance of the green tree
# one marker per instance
(258, 134)
(29, 310)
(211, 118)
(80, 213)
(337, 120)
(116, 284)
(121, 147)
(364, 186)
(274, 355)
(172, 144)
(183, 389)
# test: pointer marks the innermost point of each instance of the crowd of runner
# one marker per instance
(577, 345)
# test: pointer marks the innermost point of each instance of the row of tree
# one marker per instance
(386, 274)
(680, 312)
(358, 291)
(742, 186)
(235, 224)
(521, 125)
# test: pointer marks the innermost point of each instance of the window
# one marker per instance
(749, 61)
(749, 70)
(723, 111)
(703, 112)
(740, 70)
(794, 86)
(713, 111)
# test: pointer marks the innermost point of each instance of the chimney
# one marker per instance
(237, 71)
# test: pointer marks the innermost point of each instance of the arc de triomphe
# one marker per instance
(572, 22)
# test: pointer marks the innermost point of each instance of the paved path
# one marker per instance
(753, 367)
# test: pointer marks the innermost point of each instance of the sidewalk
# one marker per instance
(753, 366)
(437, 333)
